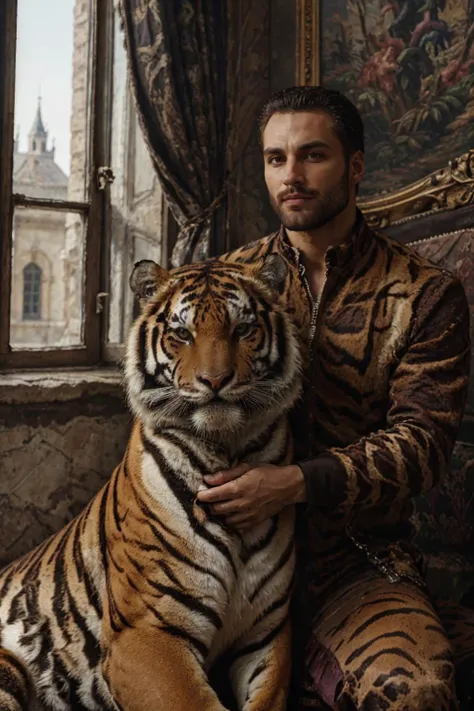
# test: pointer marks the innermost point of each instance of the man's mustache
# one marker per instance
(303, 192)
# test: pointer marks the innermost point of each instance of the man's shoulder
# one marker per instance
(431, 294)
(253, 250)
(406, 259)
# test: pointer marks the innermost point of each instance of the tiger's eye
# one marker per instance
(242, 330)
(183, 334)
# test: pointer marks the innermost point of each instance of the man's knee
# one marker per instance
(400, 690)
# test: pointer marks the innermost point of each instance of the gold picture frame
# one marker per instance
(449, 188)
(307, 38)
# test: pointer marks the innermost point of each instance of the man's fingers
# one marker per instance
(227, 475)
(225, 492)
(227, 507)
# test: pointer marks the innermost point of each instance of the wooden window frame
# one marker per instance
(94, 212)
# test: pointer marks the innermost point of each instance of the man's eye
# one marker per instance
(183, 334)
(242, 330)
(315, 156)
(276, 160)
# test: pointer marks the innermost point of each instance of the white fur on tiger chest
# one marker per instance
(245, 605)
(246, 593)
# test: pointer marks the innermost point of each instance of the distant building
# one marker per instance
(35, 173)
(38, 315)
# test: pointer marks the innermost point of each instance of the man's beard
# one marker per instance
(324, 208)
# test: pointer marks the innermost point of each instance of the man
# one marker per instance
(386, 387)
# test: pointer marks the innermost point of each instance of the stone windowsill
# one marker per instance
(61, 385)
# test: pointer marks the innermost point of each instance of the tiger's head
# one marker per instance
(212, 350)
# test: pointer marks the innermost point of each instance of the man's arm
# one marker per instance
(427, 396)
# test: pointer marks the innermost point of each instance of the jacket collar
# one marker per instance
(339, 255)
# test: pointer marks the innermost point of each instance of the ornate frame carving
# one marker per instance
(446, 189)
(307, 38)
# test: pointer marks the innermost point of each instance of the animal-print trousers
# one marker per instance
(371, 645)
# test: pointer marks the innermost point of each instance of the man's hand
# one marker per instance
(250, 494)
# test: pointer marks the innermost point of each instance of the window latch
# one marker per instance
(99, 301)
(105, 176)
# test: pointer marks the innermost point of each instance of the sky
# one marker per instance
(44, 68)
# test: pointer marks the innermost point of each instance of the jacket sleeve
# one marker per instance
(427, 395)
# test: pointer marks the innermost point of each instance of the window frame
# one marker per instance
(94, 211)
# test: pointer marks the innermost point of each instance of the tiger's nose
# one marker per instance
(215, 381)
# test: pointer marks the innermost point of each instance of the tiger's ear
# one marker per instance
(146, 278)
(272, 271)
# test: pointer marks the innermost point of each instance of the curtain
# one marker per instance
(177, 57)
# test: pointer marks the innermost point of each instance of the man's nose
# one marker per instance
(293, 175)
(215, 381)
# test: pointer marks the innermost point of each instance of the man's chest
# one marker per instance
(358, 343)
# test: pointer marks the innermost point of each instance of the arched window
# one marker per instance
(34, 145)
(32, 292)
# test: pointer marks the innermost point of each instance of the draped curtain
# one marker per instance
(177, 57)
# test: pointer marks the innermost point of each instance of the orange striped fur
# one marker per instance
(130, 605)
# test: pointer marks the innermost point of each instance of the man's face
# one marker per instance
(307, 175)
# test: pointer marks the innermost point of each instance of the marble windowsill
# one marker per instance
(61, 385)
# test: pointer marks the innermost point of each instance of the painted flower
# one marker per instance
(381, 68)
(455, 71)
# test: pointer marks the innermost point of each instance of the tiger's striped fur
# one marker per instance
(130, 604)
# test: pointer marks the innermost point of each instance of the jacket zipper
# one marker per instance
(314, 304)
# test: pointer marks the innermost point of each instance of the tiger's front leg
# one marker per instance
(260, 675)
(149, 670)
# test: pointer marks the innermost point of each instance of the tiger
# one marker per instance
(131, 605)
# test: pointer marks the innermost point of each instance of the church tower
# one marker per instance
(38, 135)
(35, 172)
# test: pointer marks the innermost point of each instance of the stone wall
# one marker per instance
(80, 174)
(60, 438)
(81, 104)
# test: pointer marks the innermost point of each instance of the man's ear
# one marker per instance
(272, 271)
(146, 278)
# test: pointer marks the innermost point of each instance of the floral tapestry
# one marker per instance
(409, 67)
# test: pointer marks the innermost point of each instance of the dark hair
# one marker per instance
(346, 117)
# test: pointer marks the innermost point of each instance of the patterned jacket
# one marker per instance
(386, 383)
